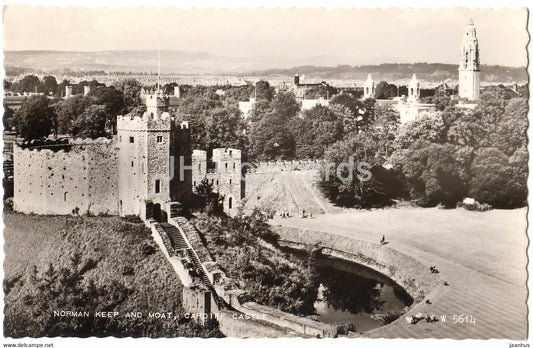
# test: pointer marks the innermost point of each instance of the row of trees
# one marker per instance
(437, 159)
(92, 115)
(48, 85)
(440, 158)
(278, 129)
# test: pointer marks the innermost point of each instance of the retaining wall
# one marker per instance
(406, 271)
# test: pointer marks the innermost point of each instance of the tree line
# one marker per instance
(438, 159)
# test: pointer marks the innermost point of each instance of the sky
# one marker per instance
(347, 36)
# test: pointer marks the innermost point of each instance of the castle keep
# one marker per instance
(145, 170)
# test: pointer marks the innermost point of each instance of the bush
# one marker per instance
(476, 206)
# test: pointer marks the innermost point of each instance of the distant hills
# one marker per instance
(200, 63)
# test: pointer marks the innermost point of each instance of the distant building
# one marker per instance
(369, 88)
(414, 90)
(469, 64)
(299, 89)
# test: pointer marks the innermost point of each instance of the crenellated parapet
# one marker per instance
(146, 122)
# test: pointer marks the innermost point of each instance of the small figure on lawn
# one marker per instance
(382, 240)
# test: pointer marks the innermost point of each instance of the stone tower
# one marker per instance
(414, 90)
(469, 64)
(369, 89)
(156, 102)
(144, 144)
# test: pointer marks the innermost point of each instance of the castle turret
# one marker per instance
(469, 67)
(68, 91)
(228, 177)
(369, 89)
(156, 103)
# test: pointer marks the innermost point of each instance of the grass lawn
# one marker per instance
(493, 242)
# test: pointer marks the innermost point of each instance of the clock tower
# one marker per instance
(469, 64)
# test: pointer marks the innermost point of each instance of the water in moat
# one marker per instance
(352, 293)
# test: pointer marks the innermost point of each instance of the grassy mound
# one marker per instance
(89, 264)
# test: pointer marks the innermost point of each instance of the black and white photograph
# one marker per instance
(320, 173)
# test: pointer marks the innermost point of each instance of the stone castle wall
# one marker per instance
(83, 178)
(225, 177)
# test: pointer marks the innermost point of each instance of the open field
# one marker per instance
(481, 255)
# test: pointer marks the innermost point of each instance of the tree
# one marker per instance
(354, 161)
(112, 99)
(259, 109)
(8, 86)
(321, 91)
(68, 110)
(9, 118)
(286, 105)
(36, 118)
(385, 90)
(271, 135)
(225, 128)
(206, 200)
(49, 85)
(131, 90)
(356, 115)
(512, 126)
(496, 181)
(433, 174)
(29, 83)
(92, 123)
(319, 128)
(383, 130)
(428, 128)
(270, 139)
(263, 90)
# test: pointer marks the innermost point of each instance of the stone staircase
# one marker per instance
(197, 254)
(175, 236)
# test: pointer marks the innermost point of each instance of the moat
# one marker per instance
(349, 293)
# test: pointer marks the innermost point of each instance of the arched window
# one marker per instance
(230, 202)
